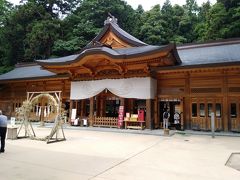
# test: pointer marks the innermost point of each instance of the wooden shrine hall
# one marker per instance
(117, 70)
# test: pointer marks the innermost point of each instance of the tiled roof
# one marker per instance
(26, 72)
(123, 53)
(203, 55)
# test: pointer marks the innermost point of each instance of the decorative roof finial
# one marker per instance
(110, 19)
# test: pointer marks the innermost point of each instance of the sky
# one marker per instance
(147, 4)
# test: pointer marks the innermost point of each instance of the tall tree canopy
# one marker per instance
(40, 29)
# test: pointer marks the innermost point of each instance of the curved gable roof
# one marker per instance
(120, 33)
(123, 53)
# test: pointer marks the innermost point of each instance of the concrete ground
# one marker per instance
(109, 155)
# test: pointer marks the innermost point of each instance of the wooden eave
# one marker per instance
(198, 68)
(95, 63)
(88, 56)
(33, 79)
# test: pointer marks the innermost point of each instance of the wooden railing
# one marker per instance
(105, 122)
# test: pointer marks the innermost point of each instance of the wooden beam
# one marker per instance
(225, 113)
(91, 114)
(149, 119)
(122, 102)
(70, 111)
(156, 116)
(187, 105)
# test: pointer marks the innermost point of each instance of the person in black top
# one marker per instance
(166, 116)
(3, 131)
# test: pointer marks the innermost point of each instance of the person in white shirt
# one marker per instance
(3, 131)
(177, 120)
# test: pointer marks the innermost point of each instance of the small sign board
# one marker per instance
(12, 120)
(74, 114)
(120, 116)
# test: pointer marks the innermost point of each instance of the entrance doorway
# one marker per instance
(112, 107)
(201, 110)
(234, 108)
(173, 107)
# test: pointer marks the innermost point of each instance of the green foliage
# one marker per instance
(152, 31)
(39, 29)
(40, 39)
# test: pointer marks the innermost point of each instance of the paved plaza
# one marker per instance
(101, 155)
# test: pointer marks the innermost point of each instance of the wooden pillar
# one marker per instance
(76, 106)
(225, 113)
(131, 104)
(84, 107)
(97, 106)
(187, 105)
(63, 89)
(12, 111)
(122, 102)
(181, 113)
(102, 107)
(70, 111)
(156, 117)
(91, 114)
(149, 119)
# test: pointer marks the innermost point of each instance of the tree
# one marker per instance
(56, 7)
(178, 14)
(138, 21)
(5, 11)
(228, 4)
(76, 33)
(18, 24)
(201, 27)
(168, 23)
(189, 20)
(153, 31)
(216, 22)
(87, 20)
(39, 42)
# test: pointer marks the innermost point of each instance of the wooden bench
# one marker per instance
(134, 124)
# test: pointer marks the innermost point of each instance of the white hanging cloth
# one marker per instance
(45, 111)
(36, 110)
(39, 111)
(140, 88)
(48, 110)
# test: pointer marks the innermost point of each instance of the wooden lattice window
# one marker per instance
(234, 89)
(171, 90)
(206, 90)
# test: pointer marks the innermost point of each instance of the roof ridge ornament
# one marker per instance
(111, 19)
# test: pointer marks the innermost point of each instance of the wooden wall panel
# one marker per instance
(205, 82)
(171, 86)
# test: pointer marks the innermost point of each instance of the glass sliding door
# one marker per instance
(234, 108)
(201, 110)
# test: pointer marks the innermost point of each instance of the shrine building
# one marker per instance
(118, 70)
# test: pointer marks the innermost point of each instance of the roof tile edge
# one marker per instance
(209, 43)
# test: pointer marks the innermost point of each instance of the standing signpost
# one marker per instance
(213, 124)
(120, 116)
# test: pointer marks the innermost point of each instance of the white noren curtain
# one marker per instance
(140, 88)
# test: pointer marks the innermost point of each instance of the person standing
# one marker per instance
(166, 116)
(177, 120)
(3, 131)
